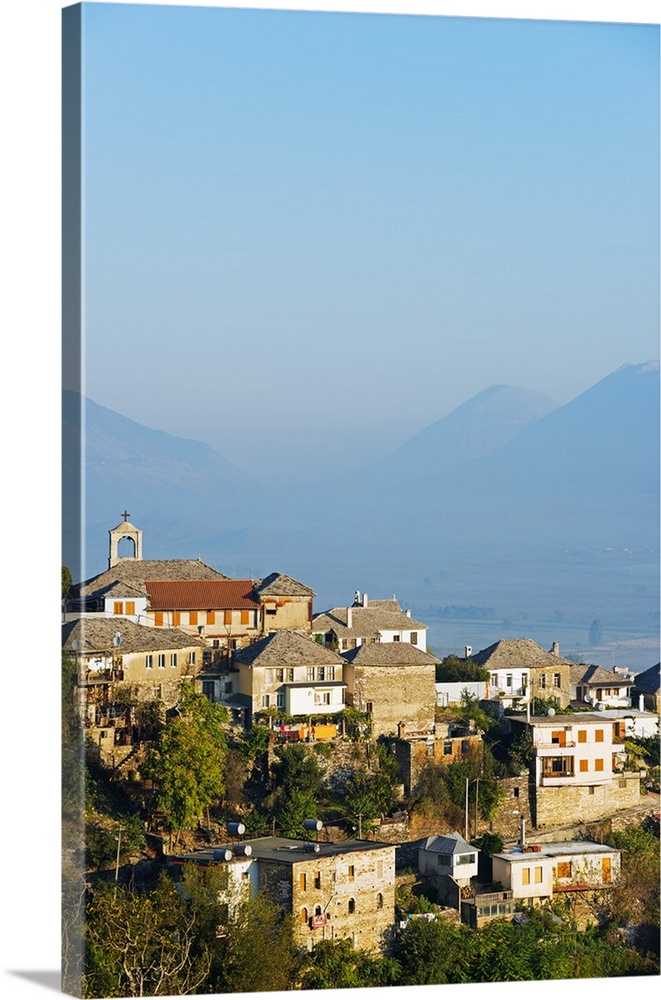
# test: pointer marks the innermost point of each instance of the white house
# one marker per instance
(449, 863)
(538, 872)
(451, 692)
(594, 685)
(368, 621)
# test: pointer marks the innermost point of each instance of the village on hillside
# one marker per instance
(359, 784)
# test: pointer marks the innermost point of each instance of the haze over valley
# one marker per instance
(510, 516)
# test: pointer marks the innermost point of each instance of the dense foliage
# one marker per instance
(453, 669)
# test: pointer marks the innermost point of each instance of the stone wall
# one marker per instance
(516, 805)
(565, 804)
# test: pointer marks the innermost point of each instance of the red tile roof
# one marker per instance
(200, 595)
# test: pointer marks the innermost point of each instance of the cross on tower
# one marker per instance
(125, 515)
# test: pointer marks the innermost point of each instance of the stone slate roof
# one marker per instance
(592, 674)
(648, 681)
(285, 649)
(453, 843)
(135, 572)
(389, 604)
(95, 635)
(388, 654)
(366, 623)
(281, 585)
(508, 653)
(198, 595)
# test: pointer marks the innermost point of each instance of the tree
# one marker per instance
(338, 965)
(297, 779)
(453, 669)
(67, 581)
(186, 763)
(142, 944)
(257, 952)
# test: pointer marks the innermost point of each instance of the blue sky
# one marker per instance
(338, 227)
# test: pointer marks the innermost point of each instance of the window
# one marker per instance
(515, 792)
(465, 859)
(266, 701)
(599, 764)
(268, 676)
(330, 673)
(209, 690)
(322, 697)
(317, 880)
(158, 618)
(379, 900)
(191, 658)
(605, 870)
(556, 680)
(176, 618)
(216, 643)
(352, 872)
(245, 617)
(321, 674)
(369, 707)
(396, 638)
(414, 638)
(304, 915)
(351, 908)
(582, 736)
(173, 659)
(310, 673)
(591, 790)
(118, 608)
(508, 680)
(429, 749)
(161, 661)
(279, 675)
(564, 869)
(149, 661)
(228, 687)
(465, 747)
(599, 736)
(130, 607)
(525, 876)
(447, 747)
(302, 881)
(280, 699)
(542, 681)
(539, 874)
(494, 680)
(582, 765)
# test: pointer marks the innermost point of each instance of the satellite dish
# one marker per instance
(117, 639)
(75, 644)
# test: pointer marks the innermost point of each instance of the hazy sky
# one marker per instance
(324, 231)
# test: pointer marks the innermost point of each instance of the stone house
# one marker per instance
(445, 743)
(646, 686)
(368, 621)
(290, 672)
(121, 664)
(594, 685)
(538, 872)
(576, 772)
(285, 603)
(334, 891)
(520, 670)
(395, 683)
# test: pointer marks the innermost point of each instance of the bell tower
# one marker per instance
(124, 530)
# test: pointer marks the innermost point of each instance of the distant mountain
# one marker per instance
(586, 473)
(477, 428)
(180, 491)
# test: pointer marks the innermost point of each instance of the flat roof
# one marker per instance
(557, 849)
(284, 849)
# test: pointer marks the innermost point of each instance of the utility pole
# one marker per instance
(466, 812)
(119, 847)
(477, 790)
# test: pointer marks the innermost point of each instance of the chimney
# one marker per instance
(408, 612)
(555, 649)
(522, 832)
(468, 651)
(364, 599)
(641, 702)
(349, 617)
